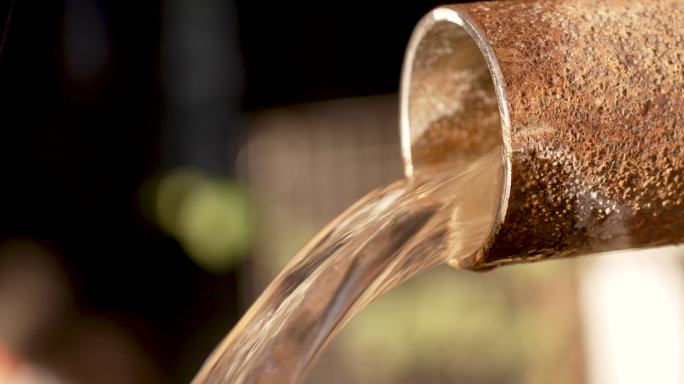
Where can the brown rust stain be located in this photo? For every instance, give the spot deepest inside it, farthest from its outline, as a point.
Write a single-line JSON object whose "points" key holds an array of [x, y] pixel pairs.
{"points": [[596, 100]]}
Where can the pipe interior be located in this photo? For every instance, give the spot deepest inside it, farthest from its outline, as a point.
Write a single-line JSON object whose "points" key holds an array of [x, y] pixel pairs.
{"points": [[451, 105]]}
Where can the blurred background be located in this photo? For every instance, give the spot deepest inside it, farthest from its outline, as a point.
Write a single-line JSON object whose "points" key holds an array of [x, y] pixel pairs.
{"points": [[161, 161]]}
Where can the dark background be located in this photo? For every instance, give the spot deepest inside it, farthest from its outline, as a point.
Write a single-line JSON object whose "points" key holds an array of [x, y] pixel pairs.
{"points": [[93, 105]]}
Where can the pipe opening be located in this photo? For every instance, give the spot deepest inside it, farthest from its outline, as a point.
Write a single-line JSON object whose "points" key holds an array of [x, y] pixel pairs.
{"points": [[453, 106], [450, 111]]}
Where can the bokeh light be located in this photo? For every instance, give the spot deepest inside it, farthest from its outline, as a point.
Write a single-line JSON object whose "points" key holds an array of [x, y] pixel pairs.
{"points": [[209, 216]]}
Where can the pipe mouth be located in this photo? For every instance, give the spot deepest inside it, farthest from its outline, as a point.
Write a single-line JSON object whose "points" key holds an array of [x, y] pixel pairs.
{"points": [[453, 105]]}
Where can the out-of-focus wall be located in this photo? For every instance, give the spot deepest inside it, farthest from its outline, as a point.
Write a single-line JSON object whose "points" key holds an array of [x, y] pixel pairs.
{"points": [[305, 164]]}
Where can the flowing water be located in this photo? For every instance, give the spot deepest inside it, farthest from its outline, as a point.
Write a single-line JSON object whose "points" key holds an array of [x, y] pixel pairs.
{"points": [[437, 216]]}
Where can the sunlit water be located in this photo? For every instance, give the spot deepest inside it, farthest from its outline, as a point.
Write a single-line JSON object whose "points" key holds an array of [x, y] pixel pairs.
{"points": [[384, 239]]}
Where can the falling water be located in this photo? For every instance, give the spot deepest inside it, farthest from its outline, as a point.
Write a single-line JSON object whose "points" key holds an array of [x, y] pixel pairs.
{"points": [[437, 216]]}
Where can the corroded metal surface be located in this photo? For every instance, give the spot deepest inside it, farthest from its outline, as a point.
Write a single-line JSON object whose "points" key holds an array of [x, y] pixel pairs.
{"points": [[591, 99]]}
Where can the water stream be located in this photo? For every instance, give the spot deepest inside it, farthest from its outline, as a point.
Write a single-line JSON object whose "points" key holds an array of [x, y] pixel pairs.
{"points": [[438, 216]]}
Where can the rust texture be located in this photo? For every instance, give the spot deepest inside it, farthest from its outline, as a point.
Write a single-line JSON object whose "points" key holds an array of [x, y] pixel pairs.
{"points": [[595, 91], [596, 99]]}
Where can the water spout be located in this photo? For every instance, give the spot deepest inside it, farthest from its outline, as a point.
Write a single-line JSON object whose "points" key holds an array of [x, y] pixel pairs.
{"points": [[579, 105]]}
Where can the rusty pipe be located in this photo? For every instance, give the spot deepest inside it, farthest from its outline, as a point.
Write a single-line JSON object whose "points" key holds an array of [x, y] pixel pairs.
{"points": [[586, 100]]}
